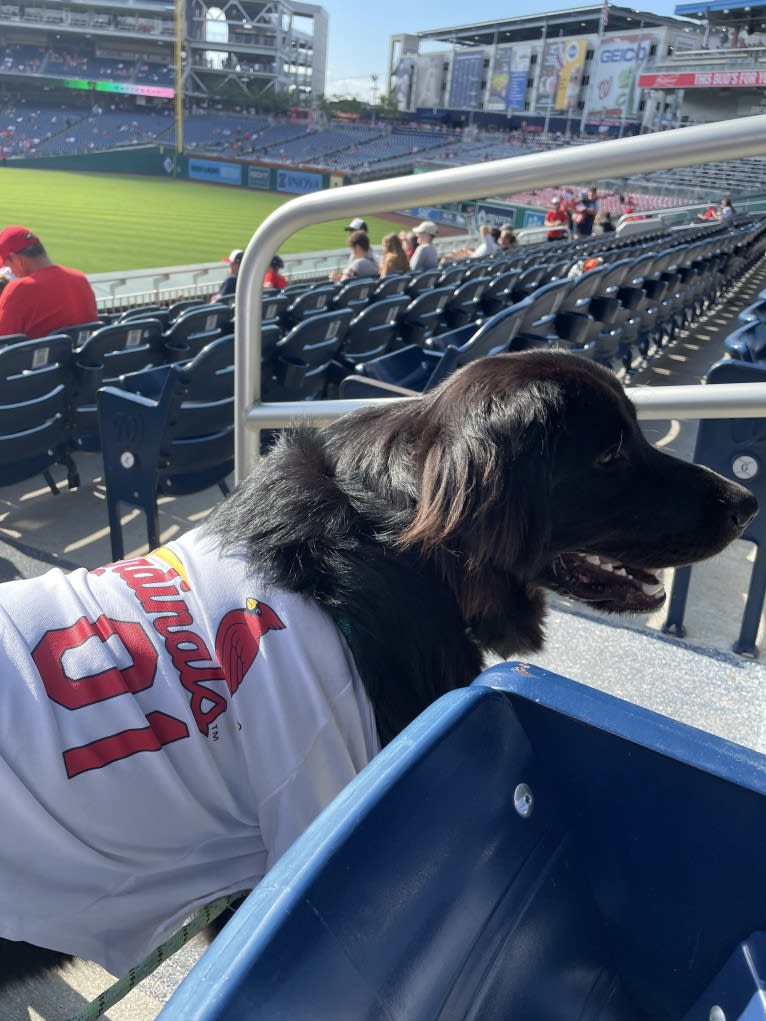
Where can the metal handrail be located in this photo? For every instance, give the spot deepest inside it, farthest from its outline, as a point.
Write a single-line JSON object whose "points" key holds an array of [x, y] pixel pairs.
{"points": [[617, 158]]}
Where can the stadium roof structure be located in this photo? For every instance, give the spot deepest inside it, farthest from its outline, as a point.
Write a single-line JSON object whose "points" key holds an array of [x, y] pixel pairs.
{"points": [[727, 12], [570, 21]]}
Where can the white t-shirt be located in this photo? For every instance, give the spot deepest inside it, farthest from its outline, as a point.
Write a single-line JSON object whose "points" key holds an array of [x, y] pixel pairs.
{"points": [[169, 726]]}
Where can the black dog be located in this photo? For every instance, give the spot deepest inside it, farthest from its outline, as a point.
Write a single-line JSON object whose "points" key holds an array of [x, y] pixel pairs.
{"points": [[429, 529]]}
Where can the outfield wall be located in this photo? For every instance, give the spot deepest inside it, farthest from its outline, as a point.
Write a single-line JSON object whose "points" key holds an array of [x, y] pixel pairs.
{"points": [[162, 161]]}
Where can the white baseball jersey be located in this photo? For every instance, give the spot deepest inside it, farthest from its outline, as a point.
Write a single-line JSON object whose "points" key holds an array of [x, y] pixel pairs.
{"points": [[168, 726]]}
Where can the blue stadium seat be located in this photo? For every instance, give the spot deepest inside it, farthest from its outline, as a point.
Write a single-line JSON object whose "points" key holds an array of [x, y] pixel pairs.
{"points": [[35, 428], [425, 280], [308, 301], [465, 304], [756, 310], [423, 316], [109, 352], [80, 332], [736, 448], [299, 367], [194, 329], [497, 293], [391, 285], [167, 431], [418, 369], [355, 294], [747, 343], [528, 848], [371, 332]]}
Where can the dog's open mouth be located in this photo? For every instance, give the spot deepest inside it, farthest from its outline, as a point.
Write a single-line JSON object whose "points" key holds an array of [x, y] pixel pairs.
{"points": [[608, 584]]}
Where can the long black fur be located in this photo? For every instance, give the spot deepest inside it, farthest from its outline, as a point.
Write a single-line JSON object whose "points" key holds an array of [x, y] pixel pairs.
{"points": [[431, 528]]}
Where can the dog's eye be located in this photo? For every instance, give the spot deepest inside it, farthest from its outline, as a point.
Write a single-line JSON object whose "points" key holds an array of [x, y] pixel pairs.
{"points": [[614, 455]]}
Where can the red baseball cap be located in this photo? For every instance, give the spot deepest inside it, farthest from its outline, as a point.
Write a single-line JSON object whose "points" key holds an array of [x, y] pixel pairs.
{"points": [[16, 239]]}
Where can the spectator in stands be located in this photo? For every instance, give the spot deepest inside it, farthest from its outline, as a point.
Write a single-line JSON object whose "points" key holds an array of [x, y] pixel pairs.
{"points": [[556, 220], [362, 263], [229, 284], [605, 222], [357, 224], [409, 242], [43, 297], [394, 257], [507, 237], [726, 212], [584, 215], [425, 255], [488, 244], [273, 278]]}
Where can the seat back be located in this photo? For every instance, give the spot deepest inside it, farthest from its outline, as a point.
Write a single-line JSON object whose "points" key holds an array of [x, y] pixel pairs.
{"points": [[393, 283], [464, 305], [195, 329], [80, 332], [167, 430], [355, 293], [423, 316], [108, 353], [302, 358], [309, 302], [423, 281], [373, 330], [35, 412], [520, 851]]}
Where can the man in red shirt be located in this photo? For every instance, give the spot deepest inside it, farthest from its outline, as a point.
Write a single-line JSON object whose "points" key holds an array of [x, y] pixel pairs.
{"points": [[556, 219], [43, 297], [273, 279]]}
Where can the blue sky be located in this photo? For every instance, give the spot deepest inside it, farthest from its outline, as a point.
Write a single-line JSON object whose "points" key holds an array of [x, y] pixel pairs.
{"points": [[359, 35]]}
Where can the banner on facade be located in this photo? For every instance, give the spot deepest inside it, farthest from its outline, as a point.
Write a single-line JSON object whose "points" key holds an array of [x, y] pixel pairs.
{"points": [[427, 83], [465, 87], [614, 80]]}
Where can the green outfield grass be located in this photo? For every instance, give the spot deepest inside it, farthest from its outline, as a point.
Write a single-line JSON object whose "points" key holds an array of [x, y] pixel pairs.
{"points": [[104, 222]]}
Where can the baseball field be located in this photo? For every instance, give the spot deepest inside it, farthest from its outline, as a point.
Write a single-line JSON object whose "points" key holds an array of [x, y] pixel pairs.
{"points": [[102, 223]]}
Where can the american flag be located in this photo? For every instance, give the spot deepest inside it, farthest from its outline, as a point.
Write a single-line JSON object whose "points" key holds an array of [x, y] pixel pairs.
{"points": [[605, 15]]}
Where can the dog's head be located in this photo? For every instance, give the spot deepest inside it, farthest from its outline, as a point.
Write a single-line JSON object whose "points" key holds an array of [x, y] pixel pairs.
{"points": [[533, 473]]}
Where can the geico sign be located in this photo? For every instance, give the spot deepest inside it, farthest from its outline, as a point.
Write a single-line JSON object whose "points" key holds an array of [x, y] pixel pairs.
{"points": [[628, 54]]}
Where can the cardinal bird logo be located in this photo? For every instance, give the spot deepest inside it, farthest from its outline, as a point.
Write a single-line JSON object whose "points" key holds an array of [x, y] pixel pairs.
{"points": [[239, 637]]}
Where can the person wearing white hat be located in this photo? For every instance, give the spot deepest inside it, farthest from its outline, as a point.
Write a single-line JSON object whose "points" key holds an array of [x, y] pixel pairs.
{"points": [[425, 255], [357, 224], [229, 284]]}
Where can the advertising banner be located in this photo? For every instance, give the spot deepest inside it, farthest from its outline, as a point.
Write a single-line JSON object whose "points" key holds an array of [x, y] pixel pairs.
{"points": [[614, 78], [259, 177], [403, 87], [427, 85], [570, 77], [550, 74], [500, 79], [703, 80], [465, 88], [494, 213], [218, 173], [521, 55], [298, 182]]}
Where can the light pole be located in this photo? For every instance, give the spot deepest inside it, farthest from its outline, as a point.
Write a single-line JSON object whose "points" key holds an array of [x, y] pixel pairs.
{"points": [[374, 91]]}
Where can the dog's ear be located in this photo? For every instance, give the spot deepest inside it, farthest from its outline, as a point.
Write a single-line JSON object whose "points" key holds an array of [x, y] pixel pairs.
{"points": [[485, 472]]}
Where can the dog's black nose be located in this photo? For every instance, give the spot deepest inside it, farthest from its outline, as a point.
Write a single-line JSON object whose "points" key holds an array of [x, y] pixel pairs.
{"points": [[745, 510]]}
